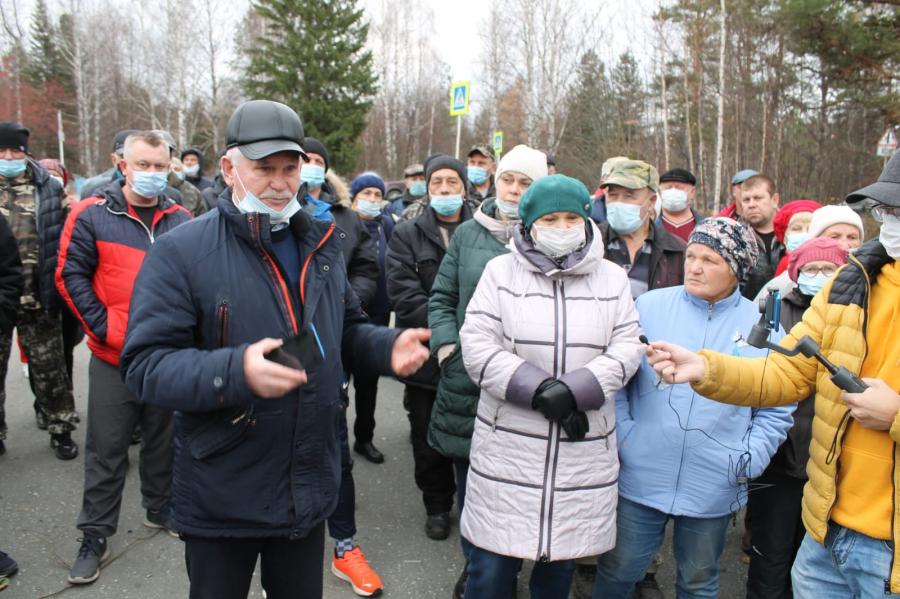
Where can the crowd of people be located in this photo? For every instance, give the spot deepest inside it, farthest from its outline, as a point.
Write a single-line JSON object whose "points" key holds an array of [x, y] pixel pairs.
{"points": [[576, 366]]}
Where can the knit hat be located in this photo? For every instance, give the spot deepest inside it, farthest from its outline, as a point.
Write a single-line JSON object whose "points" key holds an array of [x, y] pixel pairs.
{"points": [[680, 175], [14, 135], [524, 160], [55, 167], [826, 216], [442, 161], [363, 181], [633, 174], [741, 176], [731, 240], [554, 193], [314, 146], [196, 152], [818, 248], [785, 213]]}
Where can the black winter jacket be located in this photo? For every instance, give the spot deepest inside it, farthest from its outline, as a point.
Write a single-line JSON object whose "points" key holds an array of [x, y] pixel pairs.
{"points": [[415, 252], [244, 466], [211, 194], [11, 281], [764, 271], [50, 220]]}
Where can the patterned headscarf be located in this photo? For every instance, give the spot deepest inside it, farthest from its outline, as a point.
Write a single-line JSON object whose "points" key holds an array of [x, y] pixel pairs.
{"points": [[731, 240]]}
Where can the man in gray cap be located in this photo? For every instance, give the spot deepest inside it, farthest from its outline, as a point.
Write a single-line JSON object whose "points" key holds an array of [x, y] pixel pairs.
{"points": [[243, 322], [481, 163]]}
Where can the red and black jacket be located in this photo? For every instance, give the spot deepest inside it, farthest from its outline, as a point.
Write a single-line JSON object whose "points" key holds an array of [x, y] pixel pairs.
{"points": [[101, 250]]}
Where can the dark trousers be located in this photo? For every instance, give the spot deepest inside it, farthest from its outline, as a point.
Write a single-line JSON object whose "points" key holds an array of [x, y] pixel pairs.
{"points": [[776, 533], [433, 471], [342, 522], [113, 413], [222, 568], [41, 334], [366, 392], [461, 469], [493, 576]]}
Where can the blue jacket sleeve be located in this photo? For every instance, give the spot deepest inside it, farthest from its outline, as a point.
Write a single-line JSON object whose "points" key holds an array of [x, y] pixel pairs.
{"points": [[160, 363]]}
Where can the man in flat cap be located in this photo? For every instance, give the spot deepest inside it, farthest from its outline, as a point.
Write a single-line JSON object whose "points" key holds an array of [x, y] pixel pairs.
{"points": [[257, 460], [677, 192]]}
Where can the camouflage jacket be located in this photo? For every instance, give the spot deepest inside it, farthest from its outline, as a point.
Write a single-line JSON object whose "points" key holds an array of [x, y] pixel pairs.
{"points": [[33, 205]]}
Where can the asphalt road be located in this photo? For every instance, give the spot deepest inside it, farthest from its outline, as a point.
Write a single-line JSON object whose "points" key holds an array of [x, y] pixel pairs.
{"points": [[40, 497]]}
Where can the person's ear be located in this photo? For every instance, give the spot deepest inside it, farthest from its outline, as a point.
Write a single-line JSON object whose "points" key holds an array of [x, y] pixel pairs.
{"points": [[777, 199]]}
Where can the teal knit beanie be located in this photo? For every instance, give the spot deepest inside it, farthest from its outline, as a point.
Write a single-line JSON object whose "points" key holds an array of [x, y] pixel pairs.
{"points": [[556, 193]]}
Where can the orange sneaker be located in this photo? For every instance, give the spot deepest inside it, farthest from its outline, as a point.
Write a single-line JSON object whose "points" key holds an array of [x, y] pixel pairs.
{"points": [[354, 568]]}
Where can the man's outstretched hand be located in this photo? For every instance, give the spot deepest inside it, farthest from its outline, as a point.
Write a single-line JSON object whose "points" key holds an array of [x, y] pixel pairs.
{"points": [[409, 353]]}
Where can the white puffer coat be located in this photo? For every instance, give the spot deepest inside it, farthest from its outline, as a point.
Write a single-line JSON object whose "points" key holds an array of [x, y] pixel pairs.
{"points": [[532, 492]]}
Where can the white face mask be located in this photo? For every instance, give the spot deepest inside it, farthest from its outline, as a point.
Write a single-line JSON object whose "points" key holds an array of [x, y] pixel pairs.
{"points": [[557, 243], [674, 200], [890, 236]]}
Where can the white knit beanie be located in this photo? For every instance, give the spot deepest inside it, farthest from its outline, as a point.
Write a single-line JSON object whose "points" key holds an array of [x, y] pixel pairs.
{"points": [[524, 160], [826, 216]]}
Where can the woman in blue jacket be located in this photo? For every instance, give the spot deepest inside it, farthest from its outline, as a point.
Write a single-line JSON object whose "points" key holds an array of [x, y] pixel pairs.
{"points": [[683, 457]]}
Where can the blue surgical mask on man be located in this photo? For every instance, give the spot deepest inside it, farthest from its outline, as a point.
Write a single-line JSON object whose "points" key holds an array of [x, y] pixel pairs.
{"points": [[313, 175], [149, 184], [476, 174], [794, 240], [417, 189], [624, 218], [367, 208], [811, 284], [12, 168], [192, 171], [446, 205]]}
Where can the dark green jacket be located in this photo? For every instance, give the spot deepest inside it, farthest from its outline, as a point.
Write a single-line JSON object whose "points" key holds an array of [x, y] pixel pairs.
{"points": [[471, 248]]}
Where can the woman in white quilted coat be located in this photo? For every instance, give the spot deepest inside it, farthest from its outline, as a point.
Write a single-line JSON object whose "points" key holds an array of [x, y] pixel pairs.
{"points": [[550, 336]]}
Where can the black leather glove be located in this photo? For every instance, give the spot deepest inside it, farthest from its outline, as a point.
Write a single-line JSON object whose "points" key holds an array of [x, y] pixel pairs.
{"points": [[554, 400], [576, 425]]}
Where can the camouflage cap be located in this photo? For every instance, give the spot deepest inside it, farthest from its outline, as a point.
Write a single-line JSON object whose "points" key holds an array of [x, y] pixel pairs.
{"points": [[634, 174], [610, 164], [484, 150]]}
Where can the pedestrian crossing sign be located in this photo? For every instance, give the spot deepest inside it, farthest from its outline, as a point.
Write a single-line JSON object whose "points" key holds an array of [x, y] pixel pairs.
{"points": [[498, 142], [459, 98]]}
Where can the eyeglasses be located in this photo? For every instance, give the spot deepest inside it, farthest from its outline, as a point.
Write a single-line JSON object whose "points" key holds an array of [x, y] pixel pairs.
{"points": [[881, 211], [814, 270]]}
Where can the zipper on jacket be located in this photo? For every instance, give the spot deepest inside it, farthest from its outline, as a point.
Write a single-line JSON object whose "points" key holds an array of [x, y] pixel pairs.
{"points": [[222, 321], [285, 303], [546, 521], [137, 220]]}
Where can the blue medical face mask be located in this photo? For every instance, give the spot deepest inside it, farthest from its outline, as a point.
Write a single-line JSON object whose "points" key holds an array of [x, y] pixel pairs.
{"points": [[624, 218], [446, 205], [278, 219], [313, 175], [367, 208], [12, 168], [794, 240], [509, 210], [149, 184], [476, 174], [417, 189], [811, 284]]}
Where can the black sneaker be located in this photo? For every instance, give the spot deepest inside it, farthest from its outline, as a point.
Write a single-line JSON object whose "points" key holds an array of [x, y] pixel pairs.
{"points": [[66, 448], [159, 519], [93, 553], [437, 526], [2, 447], [8, 565]]}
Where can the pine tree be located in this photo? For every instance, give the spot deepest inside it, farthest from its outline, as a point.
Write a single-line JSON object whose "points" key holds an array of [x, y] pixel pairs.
{"points": [[312, 57], [45, 61]]}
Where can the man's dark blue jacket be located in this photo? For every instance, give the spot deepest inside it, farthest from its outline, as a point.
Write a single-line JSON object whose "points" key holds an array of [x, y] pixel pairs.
{"points": [[246, 466]]}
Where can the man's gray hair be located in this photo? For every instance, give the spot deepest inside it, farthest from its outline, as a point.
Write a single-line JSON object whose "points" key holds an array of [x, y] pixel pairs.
{"points": [[151, 138]]}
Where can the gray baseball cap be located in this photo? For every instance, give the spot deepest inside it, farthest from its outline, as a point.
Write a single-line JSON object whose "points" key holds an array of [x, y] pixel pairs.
{"points": [[260, 128]]}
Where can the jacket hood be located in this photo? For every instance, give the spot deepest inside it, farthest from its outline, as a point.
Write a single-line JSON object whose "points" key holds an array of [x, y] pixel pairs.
{"points": [[339, 191], [500, 230], [580, 262]]}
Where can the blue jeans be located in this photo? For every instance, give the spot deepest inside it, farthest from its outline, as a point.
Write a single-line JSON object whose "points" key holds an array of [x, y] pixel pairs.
{"points": [[492, 576], [698, 543], [850, 564]]}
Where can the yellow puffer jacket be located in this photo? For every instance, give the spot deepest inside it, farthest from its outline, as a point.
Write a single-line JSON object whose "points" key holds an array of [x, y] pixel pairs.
{"points": [[837, 321]]}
